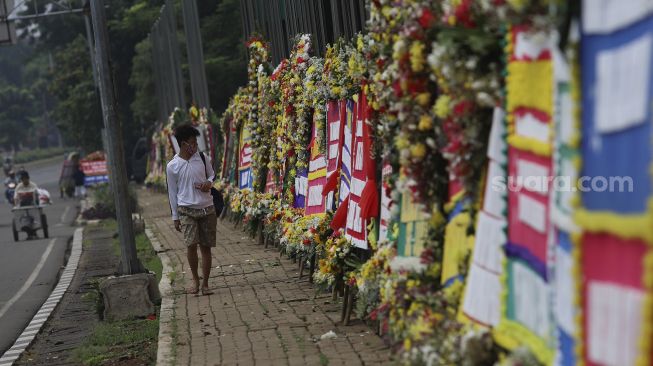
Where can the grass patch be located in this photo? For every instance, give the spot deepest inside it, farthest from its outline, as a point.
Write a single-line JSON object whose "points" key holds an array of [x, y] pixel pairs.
{"points": [[172, 276], [144, 250], [133, 340], [324, 360], [109, 225]]}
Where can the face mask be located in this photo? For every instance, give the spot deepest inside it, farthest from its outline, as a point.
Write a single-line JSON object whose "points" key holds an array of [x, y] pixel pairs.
{"points": [[190, 149]]}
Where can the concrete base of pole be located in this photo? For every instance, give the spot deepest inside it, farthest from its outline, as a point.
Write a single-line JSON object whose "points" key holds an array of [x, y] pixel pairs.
{"points": [[129, 297]]}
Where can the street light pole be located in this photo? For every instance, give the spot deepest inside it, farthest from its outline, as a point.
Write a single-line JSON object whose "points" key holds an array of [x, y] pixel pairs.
{"points": [[129, 263]]}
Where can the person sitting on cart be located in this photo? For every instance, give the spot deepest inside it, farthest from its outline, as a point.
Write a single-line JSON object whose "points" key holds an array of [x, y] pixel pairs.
{"points": [[26, 193]]}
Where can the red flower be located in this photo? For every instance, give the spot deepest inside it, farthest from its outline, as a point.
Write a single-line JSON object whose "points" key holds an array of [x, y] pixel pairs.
{"points": [[417, 86], [462, 108], [426, 19], [380, 63], [463, 14], [396, 86], [300, 60], [151, 317], [306, 242]]}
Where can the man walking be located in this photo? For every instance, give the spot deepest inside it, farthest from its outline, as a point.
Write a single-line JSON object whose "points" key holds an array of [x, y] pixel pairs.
{"points": [[189, 190]]}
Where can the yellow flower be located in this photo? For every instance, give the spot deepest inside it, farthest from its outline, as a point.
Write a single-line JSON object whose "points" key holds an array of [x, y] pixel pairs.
{"points": [[517, 4], [423, 99], [425, 123], [407, 344], [418, 329], [418, 150], [452, 20], [401, 142], [417, 56], [442, 109], [360, 44]]}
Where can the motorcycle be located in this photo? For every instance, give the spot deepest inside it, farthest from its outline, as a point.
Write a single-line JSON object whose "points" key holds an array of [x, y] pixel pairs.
{"points": [[10, 188]]}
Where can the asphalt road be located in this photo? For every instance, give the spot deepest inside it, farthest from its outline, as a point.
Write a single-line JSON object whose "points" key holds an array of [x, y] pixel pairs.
{"points": [[29, 270]]}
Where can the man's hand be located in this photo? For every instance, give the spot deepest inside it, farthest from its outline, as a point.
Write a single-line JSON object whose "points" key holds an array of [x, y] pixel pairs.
{"points": [[204, 186], [177, 225]]}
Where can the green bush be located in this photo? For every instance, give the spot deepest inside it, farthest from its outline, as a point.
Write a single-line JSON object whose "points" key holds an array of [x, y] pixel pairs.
{"points": [[27, 156], [104, 205]]}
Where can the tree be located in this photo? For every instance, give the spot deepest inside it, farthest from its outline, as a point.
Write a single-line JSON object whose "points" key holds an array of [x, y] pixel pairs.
{"points": [[144, 105], [224, 53], [15, 115], [78, 112]]}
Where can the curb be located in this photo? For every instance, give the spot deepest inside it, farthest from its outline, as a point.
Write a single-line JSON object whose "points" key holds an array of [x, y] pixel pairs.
{"points": [[42, 316], [164, 354]]}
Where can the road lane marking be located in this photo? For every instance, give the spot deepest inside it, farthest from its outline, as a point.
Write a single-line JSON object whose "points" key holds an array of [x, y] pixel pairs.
{"points": [[30, 279], [63, 215], [35, 325]]}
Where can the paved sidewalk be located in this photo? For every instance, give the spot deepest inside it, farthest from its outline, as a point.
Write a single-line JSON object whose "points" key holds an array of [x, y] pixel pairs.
{"points": [[260, 312]]}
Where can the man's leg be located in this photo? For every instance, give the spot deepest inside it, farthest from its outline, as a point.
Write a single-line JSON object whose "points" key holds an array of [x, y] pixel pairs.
{"points": [[206, 265], [192, 262]]}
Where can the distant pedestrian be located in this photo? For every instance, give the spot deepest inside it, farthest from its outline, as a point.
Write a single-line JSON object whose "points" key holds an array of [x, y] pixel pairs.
{"points": [[193, 213], [79, 177]]}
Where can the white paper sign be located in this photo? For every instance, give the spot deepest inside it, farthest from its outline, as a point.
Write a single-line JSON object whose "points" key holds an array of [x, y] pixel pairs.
{"points": [[490, 238], [357, 186], [333, 151], [334, 131], [317, 164], [497, 144], [494, 202], [359, 156], [344, 191], [622, 85], [528, 125], [531, 300], [348, 137], [531, 45], [315, 195], [607, 16], [532, 213], [532, 176], [564, 291], [614, 323], [482, 300]]}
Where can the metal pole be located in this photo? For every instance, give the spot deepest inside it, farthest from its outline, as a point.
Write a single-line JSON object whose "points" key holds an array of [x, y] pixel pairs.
{"points": [[89, 39], [129, 263], [199, 89]]}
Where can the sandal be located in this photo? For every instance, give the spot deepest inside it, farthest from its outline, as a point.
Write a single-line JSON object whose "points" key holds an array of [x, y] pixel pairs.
{"points": [[192, 290], [206, 291]]}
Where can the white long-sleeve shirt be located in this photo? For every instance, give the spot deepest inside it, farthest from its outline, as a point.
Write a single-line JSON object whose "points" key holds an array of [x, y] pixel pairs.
{"points": [[182, 175]]}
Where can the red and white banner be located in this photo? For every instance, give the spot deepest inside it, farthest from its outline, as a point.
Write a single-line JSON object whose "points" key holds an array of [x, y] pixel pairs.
{"points": [[334, 131], [363, 197], [317, 176], [94, 167]]}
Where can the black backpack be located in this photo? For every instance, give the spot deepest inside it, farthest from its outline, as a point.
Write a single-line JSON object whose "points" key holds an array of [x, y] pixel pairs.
{"points": [[218, 200]]}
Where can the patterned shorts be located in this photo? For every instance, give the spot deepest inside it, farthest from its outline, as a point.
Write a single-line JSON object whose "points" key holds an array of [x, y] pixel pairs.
{"points": [[198, 225]]}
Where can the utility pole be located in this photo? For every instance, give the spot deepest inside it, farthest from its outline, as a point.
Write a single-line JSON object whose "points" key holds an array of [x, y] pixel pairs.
{"points": [[129, 263]]}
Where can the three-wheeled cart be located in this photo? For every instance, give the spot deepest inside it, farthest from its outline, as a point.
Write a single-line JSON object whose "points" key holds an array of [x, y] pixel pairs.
{"points": [[29, 219]]}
